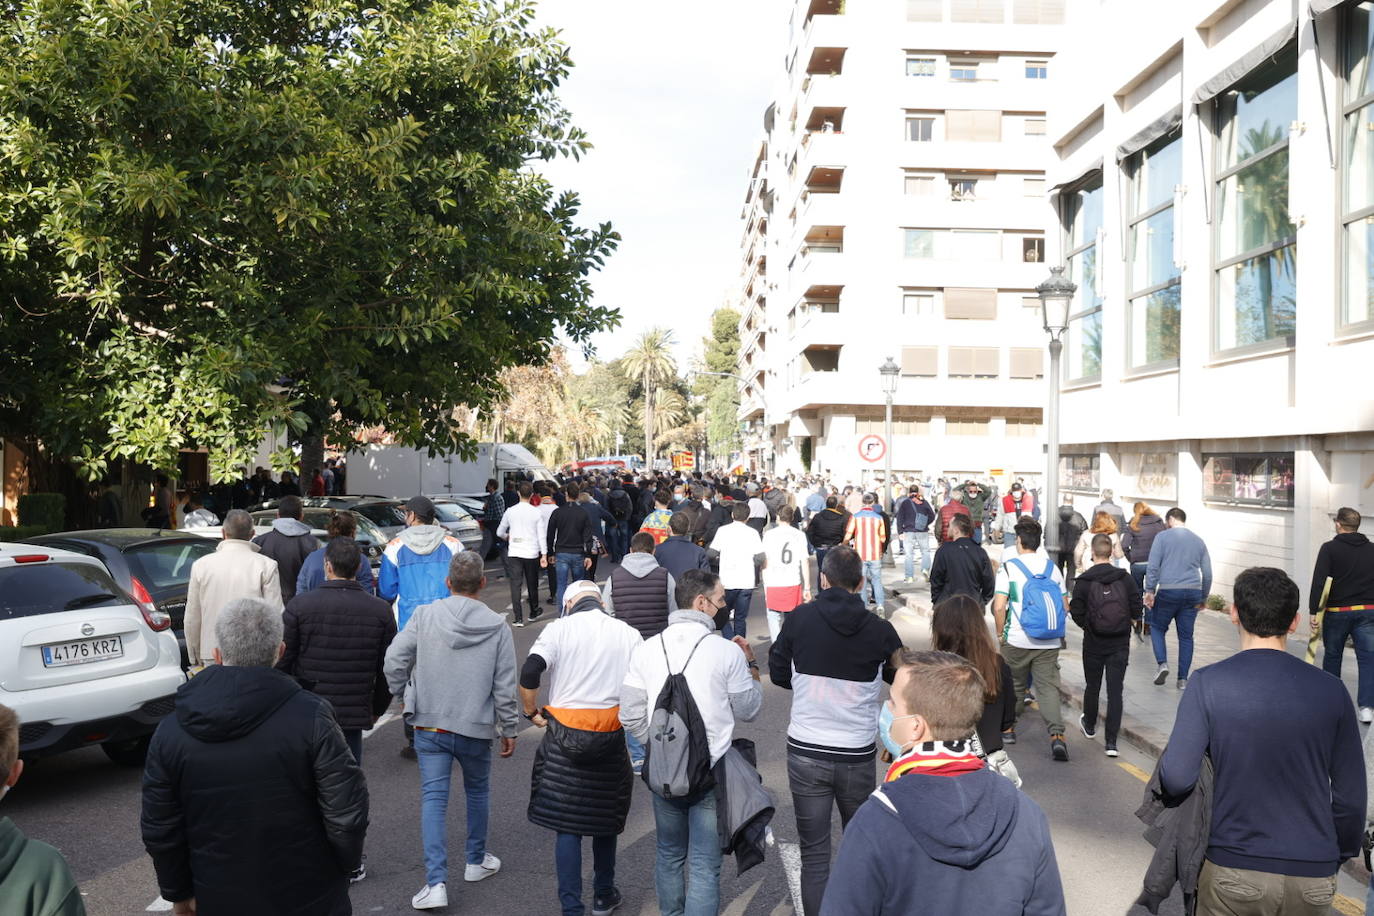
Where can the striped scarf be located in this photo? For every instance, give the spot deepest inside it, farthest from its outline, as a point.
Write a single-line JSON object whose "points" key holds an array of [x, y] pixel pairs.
{"points": [[936, 758]]}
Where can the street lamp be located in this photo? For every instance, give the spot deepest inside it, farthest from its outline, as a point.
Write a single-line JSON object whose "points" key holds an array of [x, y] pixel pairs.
{"points": [[889, 372], [1056, 295]]}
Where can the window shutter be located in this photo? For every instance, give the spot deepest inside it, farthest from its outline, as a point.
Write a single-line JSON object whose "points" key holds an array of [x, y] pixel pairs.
{"points": [[959, 124], [921, 361], [1027, 363], [960, 361], [987, 362], [970, 303], [923, 10], [986, 11], [1038, 12], [987, 126]]}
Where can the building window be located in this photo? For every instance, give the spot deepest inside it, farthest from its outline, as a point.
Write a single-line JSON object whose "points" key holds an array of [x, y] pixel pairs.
{"points": [[920, 243], [920, 362], [963, 189], [1037, 70], [974, 362], [1027, 429], [966, 71], [1083, 226], [1035, 127], [1037, 12], [1033, 250], [919, 185], [971, 427], [1256, 247], [1027, 362], [1031, 302], [1033, 187], [973, 126], [920, 66], [921, 130], [1153, 276], [1251, 479], [918, 304], [1080, 472], [970, 303], [983, 11], [1357, 211], [924, 10]]}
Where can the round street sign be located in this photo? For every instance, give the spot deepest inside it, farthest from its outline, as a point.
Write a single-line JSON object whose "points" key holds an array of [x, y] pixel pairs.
{"points": [[872, 448]]}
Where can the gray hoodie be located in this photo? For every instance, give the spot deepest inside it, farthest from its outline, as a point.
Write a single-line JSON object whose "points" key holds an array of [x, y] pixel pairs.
{"points": [[639, 565], [454, 667]]}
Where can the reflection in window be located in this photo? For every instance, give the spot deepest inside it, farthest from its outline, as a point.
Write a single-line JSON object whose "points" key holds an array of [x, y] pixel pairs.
{"points": [[1357, 218], [1155, 292], [1083, 223], [1254, 479]]}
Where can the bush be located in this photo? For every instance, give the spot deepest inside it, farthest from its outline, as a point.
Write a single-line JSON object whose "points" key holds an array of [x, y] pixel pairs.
{"points": [[10, 533], [1216, 603], [47, 511]]}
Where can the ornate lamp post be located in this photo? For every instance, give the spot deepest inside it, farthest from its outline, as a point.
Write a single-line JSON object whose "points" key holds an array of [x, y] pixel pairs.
{"points": [[889, 371], [1056, 296]]}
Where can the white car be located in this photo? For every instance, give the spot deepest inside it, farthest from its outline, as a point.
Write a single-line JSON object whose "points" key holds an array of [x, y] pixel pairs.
{"points": [[81, 662]]}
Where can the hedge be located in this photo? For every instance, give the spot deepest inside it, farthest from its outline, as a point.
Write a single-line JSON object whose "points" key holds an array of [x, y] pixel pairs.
{"points": [[20, 532], [47, 511]]}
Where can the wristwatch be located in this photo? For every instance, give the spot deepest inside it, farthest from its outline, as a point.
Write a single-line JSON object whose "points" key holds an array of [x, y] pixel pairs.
{"points": [[529, 716], [753, 664]]}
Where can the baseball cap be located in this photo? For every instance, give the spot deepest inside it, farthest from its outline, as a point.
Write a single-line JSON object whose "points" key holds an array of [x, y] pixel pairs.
{"points": [[739, 496], [576, 590], [423, 507], [1017, 488]]}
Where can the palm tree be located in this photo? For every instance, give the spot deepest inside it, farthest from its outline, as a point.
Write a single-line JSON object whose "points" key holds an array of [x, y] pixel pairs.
{"points": [[651, 362]]}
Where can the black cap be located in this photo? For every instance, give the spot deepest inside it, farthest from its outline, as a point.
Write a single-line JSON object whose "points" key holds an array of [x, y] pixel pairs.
{"points": [[423, 507]]}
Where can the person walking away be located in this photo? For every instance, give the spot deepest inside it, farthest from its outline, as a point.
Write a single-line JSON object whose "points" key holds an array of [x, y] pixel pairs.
{"points": [[952, 507], [720, 516], [786, 582], [1342, 603], [582, 781], [656, 522], [33, 875], [1083, 551], [1177, 583], [1285, 813], [826, 530], [1106, 605], [621, 507], [311, 576], [867, 533], [565, 539], [640, 592], [815, 503], [957, 625], [454, 668], [109, 509], [597, 520], [1111, 508], [693, 508], [317, 487], [961, 567], [774, 498], [252, 802], [722, 680], [758, 509], [522, 528], [914, 517], [834, 656], [1016, 503], [853, 500], [1071, 527], [288, 543], [739, 551], [234, 570], [679, 553], [943, 834], [1138, 537], [196, 515], [546, 504], [330, 482], [493, 509], [1030, 624]]}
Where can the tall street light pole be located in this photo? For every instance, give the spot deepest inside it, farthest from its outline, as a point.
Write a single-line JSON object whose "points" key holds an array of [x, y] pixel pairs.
{"points": [[1056, 295], [889, 372]]}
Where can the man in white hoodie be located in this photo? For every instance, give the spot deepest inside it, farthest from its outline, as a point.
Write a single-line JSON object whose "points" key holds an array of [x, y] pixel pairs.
{"points": [[455, 667]]}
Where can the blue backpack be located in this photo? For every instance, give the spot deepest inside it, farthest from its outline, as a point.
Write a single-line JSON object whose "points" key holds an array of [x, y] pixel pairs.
{"points": [[1042, 604]]}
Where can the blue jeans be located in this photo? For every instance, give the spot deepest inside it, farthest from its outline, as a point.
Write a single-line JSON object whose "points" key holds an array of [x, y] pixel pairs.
{"points": [[1175, 605], [873, 577], [914, 541], [1357, 625], [436, 752], [569, 570], [635, 747], [977, 532], [618, 539], [567, 858], [820, 562], [687, 837], [1008, 540], [737, 601]]}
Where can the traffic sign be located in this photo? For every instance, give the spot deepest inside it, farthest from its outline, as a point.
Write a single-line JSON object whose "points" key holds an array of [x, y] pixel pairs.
{"points": [[872, 448]]}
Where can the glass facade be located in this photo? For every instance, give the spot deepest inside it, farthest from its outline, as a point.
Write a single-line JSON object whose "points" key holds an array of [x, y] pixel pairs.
{"points": [[1154, 298], [1357, 209], [1083, 226]]}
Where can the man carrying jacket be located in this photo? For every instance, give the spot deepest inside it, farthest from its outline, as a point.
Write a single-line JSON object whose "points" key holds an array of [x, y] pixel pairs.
{"points": [[914, 517], [1343, 588], [289, 543], [961, 567], [1106, 605], [252, 802]]}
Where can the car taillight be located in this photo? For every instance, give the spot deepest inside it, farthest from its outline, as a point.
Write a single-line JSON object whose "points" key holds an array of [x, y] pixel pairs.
{"points": [[156, 620], [31, 558]]}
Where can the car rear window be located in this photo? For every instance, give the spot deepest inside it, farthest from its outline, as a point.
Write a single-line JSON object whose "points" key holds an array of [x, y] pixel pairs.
{"points": [[167, 565], [50, 588], [384, 515], [450, 512]]}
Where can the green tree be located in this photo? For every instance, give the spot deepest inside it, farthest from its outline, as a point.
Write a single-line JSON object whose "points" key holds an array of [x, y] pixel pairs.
{"points": [[651, 363], [721, 354], [218, 216]]}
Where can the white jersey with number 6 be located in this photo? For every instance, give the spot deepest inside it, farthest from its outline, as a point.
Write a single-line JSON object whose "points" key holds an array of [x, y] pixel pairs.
{"points": [[785, 548]]}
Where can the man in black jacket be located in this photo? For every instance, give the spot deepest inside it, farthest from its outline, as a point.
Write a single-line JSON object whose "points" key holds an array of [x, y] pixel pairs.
{"points": [[1342, 603], [569, 530], [1106, 604], [289, 543], [678, 553], [961, 567], [252, 802], [827, 528]]}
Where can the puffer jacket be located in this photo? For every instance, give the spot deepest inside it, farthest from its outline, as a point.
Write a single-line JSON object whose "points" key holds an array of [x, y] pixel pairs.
{"points": [[827, 528], [252, 802], [641, 593], [582, 782], [289, 543], [336, 638], [1137, 544]]}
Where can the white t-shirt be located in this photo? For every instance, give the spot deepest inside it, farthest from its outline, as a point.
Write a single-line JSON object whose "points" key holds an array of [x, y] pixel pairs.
{"points": [[785, 549], [717, 670], [1011, 582], [588, 654], [757, 508], [738, 545], [524, 525]]}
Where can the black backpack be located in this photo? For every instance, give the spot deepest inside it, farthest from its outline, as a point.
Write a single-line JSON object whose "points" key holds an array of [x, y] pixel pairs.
{"points": [[1109, 607], [677, 755], [620, 505]]}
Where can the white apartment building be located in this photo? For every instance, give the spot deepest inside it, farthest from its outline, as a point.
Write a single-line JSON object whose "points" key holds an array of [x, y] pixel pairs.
{"points": [[1214, 191], [897, 207]]}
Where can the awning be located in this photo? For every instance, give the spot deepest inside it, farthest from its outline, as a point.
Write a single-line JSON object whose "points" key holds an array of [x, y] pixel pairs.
{"points": [[1321, 6], [1150, 133], [1078, 179], [1250, 61]]}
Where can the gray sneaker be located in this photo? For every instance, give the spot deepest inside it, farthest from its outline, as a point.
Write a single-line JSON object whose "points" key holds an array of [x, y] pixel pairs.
{"points": [[1182, 683], [1162, 675]]}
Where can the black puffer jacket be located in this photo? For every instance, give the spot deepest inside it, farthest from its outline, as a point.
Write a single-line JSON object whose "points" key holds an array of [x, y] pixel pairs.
{"points": [[289, 543], [252, 803], [827, 528], [336, 638], [582, 781], [1137, 544]]}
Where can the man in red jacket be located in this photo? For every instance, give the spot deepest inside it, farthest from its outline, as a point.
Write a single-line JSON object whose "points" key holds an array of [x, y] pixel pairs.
{"points": [[954, 507]]}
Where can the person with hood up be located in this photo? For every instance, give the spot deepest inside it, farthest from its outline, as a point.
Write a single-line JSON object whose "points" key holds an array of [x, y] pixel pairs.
{"points": [[834, 656], [1342, 603], [1138, 537], [454, 667], [289, 543], [961, 567], [1072, 524], [252, 802], [944, 834]]}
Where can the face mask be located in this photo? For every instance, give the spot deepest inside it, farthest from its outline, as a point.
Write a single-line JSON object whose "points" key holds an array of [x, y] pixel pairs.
{"points": [[885, 720]]}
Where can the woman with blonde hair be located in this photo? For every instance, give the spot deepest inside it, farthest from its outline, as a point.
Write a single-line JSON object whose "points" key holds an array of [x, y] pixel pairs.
{"points": [[1103, 523], [1137, 539]]}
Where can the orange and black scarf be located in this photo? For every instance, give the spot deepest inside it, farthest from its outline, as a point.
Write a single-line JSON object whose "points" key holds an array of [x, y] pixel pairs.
{"points": [[936, 758]]}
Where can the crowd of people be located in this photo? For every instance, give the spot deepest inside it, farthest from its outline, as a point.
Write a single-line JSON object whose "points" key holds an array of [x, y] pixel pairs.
{"points": [[646, 676]]}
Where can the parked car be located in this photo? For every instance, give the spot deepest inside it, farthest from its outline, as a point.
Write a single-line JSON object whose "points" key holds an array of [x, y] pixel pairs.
{"points": [[454, 516], [369, 536], [151, 565], [81, 661]]}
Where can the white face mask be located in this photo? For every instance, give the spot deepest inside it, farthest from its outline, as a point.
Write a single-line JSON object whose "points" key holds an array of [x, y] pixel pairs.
{"points": [[4, 790]]}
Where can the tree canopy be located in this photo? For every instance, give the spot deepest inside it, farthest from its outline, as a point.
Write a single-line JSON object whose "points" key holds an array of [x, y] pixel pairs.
{"points": [[218, 216]]}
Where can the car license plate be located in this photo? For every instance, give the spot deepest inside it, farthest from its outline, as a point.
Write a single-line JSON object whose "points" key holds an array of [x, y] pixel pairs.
{"points": [[83, 651]]}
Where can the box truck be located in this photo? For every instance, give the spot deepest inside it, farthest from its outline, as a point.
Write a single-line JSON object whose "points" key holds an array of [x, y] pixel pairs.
{"points": [[400, 472]]}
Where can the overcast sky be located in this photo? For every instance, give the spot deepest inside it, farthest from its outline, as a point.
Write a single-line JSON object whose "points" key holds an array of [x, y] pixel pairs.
{"points": [[672, 96]]}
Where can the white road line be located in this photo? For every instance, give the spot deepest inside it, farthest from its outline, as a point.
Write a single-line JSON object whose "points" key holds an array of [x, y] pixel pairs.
{"points": [[790, 853], [386, 717], [741, 903], [159, 906]]}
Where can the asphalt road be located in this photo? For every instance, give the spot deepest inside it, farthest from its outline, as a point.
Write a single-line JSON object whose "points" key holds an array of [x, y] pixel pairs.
{"points": [[88, 808]]}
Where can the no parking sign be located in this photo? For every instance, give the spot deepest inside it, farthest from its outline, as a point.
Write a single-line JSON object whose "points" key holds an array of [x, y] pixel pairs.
{"points": [[872, 448]]}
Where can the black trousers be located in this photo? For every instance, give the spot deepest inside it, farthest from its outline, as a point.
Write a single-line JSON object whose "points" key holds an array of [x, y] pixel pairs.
{"points": [[523, 570], [818, 787], [1110, 659]]}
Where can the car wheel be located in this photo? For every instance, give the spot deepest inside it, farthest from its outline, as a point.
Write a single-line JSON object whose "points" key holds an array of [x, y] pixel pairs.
{"points": [[129, 753]]}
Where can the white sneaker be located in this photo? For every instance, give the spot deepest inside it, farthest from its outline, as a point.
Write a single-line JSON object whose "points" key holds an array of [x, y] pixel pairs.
{"points": [[431, 897], [489, 866], [1366, 715]]}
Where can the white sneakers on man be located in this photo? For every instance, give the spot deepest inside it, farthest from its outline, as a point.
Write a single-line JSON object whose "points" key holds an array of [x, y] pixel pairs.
{"points": [[1366, 715], [489, 866], [431, 897]]}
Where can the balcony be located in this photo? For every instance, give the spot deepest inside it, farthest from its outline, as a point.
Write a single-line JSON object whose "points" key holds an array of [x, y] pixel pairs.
{"points": [[822, 240], [824, 179], [825, 119], [826, 62]]}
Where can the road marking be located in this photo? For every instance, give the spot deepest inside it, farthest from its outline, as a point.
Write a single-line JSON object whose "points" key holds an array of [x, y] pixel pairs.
{"points": [[1346, 906], [387, 717], [790, 853], [1134, 770], [159, 906]]}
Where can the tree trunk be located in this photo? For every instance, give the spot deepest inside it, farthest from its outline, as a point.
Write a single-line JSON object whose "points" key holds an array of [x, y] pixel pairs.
{"points": [[649, 450]]}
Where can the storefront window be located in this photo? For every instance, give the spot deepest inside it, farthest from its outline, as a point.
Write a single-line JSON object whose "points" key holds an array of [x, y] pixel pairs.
{"points": [[1080, 472], [1251, 479]]}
